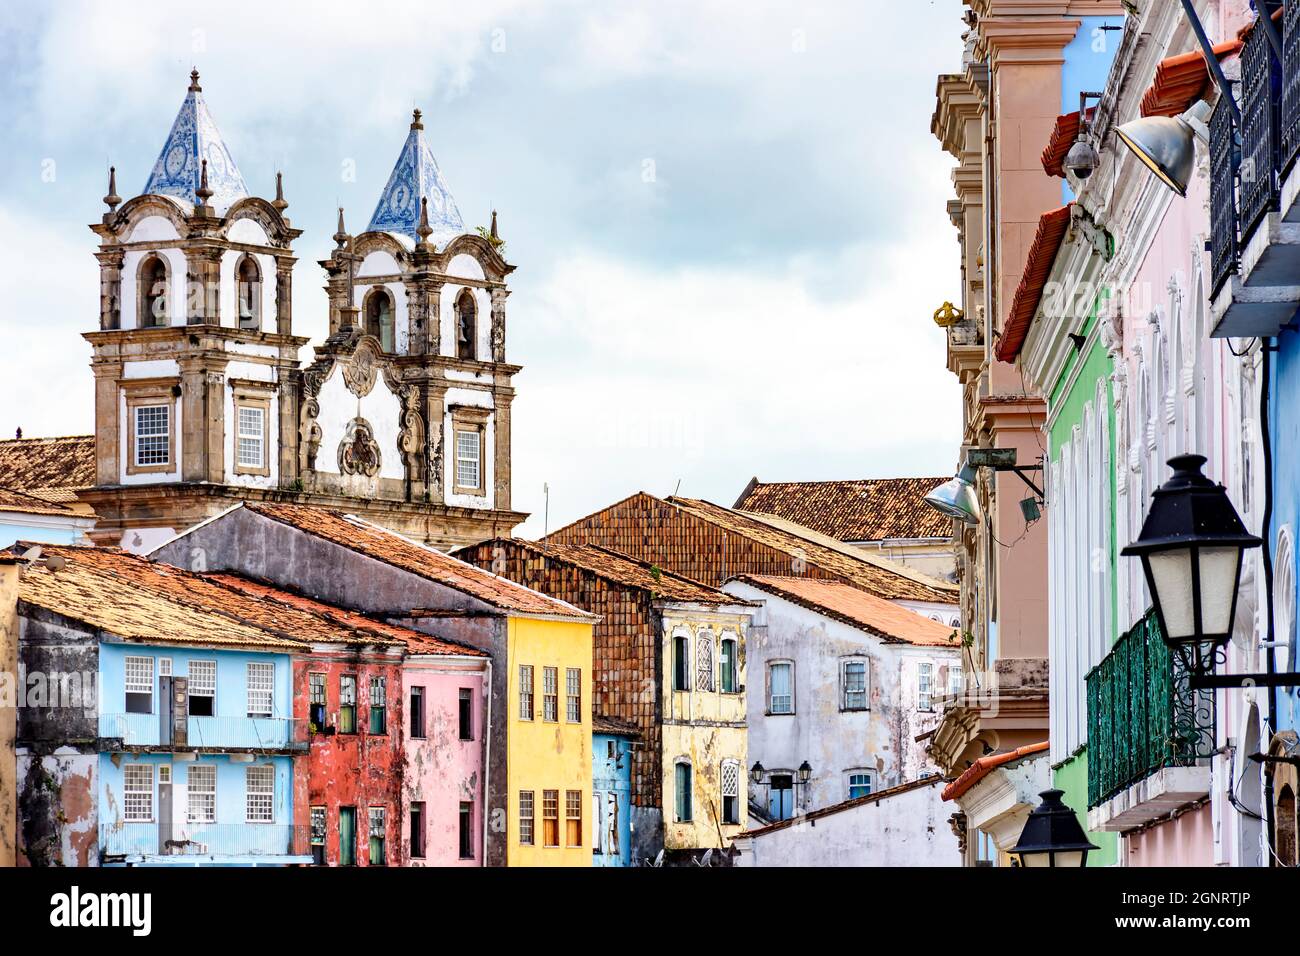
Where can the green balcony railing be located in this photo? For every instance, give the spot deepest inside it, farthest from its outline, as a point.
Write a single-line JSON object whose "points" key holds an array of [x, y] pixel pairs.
{"points": [[1142, 716]]}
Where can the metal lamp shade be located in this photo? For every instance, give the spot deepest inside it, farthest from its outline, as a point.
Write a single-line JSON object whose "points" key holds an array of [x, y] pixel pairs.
{"points": [[1191, 546], [1166, 145], [1052, 835], [956, 498]]}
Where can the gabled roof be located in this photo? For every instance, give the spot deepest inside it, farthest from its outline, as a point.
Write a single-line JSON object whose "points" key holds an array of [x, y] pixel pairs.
{"points": [[1038, 266], [17, 501], [87, 588], [49, 468], [193, 138], [350, 532], [856, 510], [857, 608], [986, 765], [1181, 80], [616, 568], [710, 543], [416, 176], [600, 724]]}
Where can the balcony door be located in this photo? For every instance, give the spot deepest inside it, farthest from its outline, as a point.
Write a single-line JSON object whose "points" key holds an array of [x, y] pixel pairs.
{"points": [[347, 836], [780, 797]]}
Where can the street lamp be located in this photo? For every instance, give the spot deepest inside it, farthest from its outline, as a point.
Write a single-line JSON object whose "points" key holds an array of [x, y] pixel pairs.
{"points": [[756, 772], [1191, 547], [1052, 835], [805, 773], [956, 498], [1167, 144]]}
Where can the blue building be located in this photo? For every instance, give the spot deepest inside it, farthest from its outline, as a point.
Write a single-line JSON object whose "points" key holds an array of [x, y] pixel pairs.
{"points": [[611, 786], [177, 741], [25, 517]]}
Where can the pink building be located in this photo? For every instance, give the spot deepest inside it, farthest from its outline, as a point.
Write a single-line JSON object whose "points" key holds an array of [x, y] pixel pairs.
{"points": [[443, 783]]}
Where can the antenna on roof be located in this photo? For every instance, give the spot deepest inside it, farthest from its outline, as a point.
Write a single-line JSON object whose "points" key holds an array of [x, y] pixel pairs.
{"points": [[546, 511], [677, 487]]}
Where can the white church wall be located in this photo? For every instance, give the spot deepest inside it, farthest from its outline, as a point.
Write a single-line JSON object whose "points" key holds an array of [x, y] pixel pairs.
{"points": [[464, 266], [152, 229], [254, 372], [474, 399], [381, 409]]}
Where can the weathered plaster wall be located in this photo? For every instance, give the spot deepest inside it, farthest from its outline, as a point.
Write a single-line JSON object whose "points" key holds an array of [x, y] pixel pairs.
{"points": [[8, 712], [611, 783], [56, 808], [904, 829], [440, 769]]}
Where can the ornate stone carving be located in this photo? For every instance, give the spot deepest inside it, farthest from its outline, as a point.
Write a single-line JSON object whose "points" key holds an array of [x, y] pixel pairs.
{"points": [[360, 371], [309, 432], [359, 452]]}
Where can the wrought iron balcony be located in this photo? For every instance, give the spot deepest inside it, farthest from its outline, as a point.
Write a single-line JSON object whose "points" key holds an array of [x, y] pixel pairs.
{"points": [[200, 842], [1142, 716], [206, 733]]}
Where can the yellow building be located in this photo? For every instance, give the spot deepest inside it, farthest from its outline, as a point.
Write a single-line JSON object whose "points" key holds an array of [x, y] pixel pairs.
{"points": [[704, 778], [548, 742]]}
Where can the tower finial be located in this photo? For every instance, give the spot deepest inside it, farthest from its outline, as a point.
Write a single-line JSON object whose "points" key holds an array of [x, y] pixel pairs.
{"points": [[112, 199], [341, 237], [280, 203], [194, 81], [203, 192], [493, 232], [424, 230], [415, 119]]}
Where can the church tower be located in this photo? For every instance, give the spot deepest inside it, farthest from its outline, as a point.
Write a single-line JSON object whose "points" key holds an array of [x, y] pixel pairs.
{"points": [[403, 417]]}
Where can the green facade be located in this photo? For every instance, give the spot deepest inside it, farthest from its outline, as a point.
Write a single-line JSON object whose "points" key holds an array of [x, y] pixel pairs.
{"points": [[1066, 401]]}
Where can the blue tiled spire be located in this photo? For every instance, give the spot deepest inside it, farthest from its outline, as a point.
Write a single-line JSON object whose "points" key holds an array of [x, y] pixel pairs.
{"points": [[417, 176], [194, 138]]}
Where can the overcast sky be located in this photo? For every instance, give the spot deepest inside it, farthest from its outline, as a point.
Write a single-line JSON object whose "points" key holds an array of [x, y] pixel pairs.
{"points": [[727, 218]]}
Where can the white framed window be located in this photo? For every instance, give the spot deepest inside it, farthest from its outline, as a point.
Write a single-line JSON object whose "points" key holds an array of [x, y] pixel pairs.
{"points": [[202, 794], [164, 774], [259, 792], [780, 679], [954, 678], [550, 694], [861, 783], [164, 667], [573, 694], [261, 689], [525, 691], [853, 684], [731, 791], [203, 688], [469, 453], [704, 661], [526, 837], [139, 685], [153, 434], [251, 450], [137, 793], [925, 686]]}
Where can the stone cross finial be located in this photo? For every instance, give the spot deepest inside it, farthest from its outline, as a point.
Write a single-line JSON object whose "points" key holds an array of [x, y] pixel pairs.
{"points": [[415, 119], [341, 237], [280, 203], [424, 230], [112, 199], [194, 81], [493, 231], [203, 192]]}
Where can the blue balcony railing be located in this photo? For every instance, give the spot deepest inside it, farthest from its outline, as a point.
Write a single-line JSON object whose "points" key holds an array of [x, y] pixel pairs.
{"points": [[204, 840], [234, 733]]}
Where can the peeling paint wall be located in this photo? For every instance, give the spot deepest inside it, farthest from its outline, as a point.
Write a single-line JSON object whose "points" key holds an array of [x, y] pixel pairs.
{"points": [[8, 713], [56, 808], [836, 742], [611, 784], [442, 770], [360, 770]]}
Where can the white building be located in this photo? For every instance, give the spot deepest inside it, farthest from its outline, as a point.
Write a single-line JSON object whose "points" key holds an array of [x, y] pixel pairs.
{"points": [[905, 825], [843, 681]]}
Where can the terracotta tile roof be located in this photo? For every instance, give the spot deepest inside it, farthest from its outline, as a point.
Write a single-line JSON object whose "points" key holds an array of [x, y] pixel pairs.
{"points": [[709, 543], [857, 510], [985, 765], [880, 576], [1181, 80], [91, 592], [11, 500], [618, 569], [381, 544], [846, 805], [600, 724], [857, 608], [49, 468], [1038, 266], [337, 624], [1063, 137]]}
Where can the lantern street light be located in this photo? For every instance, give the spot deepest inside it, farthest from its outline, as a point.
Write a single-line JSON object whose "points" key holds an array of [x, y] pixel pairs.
{"points": [[756, 772], [1191, 550], [1052, 835], [805, 773]]}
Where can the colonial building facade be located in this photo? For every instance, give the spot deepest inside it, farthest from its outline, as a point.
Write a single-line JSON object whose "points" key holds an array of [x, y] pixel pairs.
{"points": [[403, 415]]}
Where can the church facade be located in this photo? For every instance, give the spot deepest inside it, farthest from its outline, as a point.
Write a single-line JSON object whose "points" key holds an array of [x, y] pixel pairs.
{"points": [[403, 415]]}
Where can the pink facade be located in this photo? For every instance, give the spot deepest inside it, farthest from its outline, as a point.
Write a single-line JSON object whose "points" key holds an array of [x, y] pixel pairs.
{"points": [[443, 779], [1187, 840]]}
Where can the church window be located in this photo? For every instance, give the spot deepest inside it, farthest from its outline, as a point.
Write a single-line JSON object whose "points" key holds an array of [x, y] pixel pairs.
{"points": [[252, 424], [466, 327], [252, 410], [469, 426], [248, 280], [379, 317], [153, 292], [152, 434]]}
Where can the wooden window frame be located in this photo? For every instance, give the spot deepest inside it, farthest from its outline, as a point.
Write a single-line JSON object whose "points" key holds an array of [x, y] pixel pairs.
{"points": [[794, 701], [469, 420], [845, 664], [148, 393]]}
